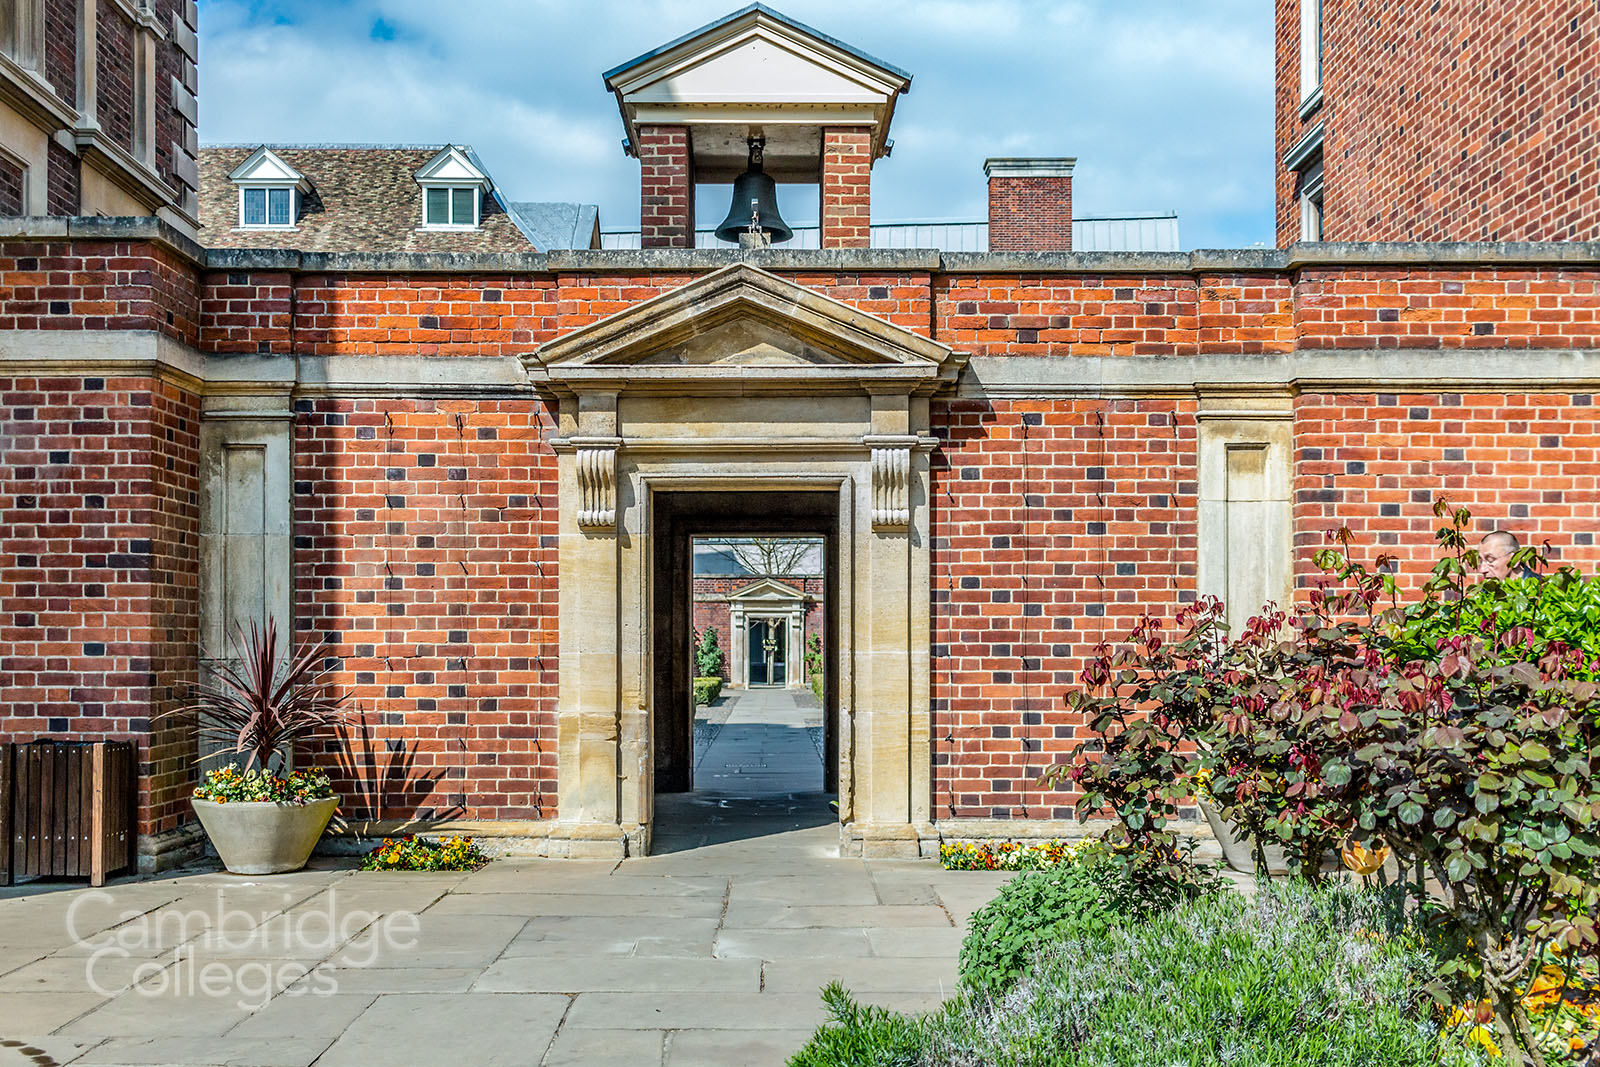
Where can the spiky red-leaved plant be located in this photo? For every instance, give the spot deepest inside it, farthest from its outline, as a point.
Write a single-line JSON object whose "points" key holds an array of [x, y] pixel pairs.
{"points": [[260, 705]]}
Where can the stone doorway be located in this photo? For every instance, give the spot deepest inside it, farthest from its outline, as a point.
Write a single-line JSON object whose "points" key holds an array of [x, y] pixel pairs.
{"points": [[740, 402]]}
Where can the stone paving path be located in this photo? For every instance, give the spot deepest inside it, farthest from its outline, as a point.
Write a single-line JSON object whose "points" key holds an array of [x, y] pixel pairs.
{"points": [[759, 741], [708, 952]]}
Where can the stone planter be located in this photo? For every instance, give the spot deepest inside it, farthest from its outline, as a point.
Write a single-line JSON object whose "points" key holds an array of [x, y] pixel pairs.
{"points": [[1238, 849], [264, 837]]}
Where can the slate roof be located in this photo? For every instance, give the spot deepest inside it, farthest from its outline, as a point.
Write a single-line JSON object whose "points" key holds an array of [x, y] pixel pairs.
{"points": [[552, 226], [364, 198]]}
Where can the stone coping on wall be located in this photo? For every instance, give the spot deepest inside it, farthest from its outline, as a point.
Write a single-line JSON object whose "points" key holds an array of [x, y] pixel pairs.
{"points": [[1305, 255]]}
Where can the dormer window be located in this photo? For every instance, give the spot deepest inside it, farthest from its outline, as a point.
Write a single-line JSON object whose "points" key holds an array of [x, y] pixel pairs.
{"points": [[450, 207], [453, 188], [269, 191], [266, 207]]}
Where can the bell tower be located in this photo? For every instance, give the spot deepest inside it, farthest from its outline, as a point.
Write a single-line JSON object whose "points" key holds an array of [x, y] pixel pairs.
{"points": [[753, 100]]}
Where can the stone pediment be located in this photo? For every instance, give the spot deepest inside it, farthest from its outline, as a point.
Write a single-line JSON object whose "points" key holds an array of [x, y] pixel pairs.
{"points": [[742, 329], [766, 591], [758, 67]]}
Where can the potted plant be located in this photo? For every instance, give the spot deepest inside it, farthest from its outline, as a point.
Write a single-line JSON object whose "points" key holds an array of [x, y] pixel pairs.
{"points": [[1239, 848], [260, 819]]}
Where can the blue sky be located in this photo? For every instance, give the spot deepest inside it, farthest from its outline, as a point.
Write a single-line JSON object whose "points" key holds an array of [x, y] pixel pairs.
{"points": [[1166, 103]]}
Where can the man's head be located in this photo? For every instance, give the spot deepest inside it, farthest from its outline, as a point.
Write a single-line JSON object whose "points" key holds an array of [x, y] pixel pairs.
{"points": [[1495, 552]]}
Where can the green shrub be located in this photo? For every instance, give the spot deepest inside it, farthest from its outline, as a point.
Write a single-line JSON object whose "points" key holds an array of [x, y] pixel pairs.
{"points": [[708, 654], [1032, 911], [706, 690], [861, 1036], [819, 688], [1300, 977]]}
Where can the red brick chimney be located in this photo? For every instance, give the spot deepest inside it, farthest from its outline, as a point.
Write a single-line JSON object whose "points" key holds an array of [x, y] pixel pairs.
{"points": [[1030, 204]]}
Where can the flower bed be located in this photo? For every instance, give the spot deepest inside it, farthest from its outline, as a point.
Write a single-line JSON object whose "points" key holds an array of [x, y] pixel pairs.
{"points": [[1010, 855], [229, 785], [420, 854]]}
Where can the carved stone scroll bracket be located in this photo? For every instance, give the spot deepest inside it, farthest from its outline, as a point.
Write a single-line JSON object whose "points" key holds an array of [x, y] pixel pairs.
{"points": [[891, 481], [596, 459]]}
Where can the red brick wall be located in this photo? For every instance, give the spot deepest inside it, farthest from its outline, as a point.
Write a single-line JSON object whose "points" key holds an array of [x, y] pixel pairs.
{"points": [[114, 48], [1030, 214], [11, 190], [97, 285], [1473, 120], [63, 188], [98, 570], [1054, 524], [61, 49], [425, 551], [1525, 462], [846, 187], [666, 187], [1506, 309], [1115, 315]]}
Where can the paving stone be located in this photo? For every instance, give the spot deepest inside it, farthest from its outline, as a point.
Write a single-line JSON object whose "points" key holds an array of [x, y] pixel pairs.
{"points": [[312, 1013], [108, 975], [439, 941], [702, 1048], [611, 935], [43, 1013], [844, 887], [792, 944], [19, 1050], [606, 1048], [429, 1029], [171, 1014], [912, 941], [284, 1050], [535, 975], [531, 904], [392, 979], [772, 916], [915, 975], [692, 1011]]}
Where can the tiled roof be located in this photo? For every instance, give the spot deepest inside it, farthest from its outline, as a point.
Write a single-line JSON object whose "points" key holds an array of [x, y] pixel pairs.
{"points": [[363, 198]]}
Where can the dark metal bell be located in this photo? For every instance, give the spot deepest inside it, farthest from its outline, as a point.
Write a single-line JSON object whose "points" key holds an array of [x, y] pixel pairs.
{"points": [[754, 192]]}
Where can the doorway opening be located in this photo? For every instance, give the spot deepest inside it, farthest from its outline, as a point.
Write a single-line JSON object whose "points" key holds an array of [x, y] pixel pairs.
{"points": [[745, 586]]}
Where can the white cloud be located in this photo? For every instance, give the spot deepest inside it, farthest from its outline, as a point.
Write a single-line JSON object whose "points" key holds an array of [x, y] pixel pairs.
{"points": [[1166, 104]]}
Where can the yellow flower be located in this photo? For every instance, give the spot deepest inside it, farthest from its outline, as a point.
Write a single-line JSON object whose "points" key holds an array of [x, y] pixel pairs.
{"points": [[1483, 1036]]}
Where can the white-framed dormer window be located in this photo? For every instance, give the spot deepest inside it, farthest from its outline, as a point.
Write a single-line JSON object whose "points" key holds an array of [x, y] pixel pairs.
{"points": [[1310, 49], [270, 191], [453, 187], [266, 207], [450, 207]]}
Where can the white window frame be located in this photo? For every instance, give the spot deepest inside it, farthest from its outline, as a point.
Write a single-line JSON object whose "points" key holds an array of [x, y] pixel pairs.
{"points": [[270, 188], [1310, 50], [1311, 204], [454, 189]]}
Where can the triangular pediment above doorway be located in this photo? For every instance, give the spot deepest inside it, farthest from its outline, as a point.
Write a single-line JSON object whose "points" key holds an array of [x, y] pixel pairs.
{"points": [[766, 591], [746, 326]]}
